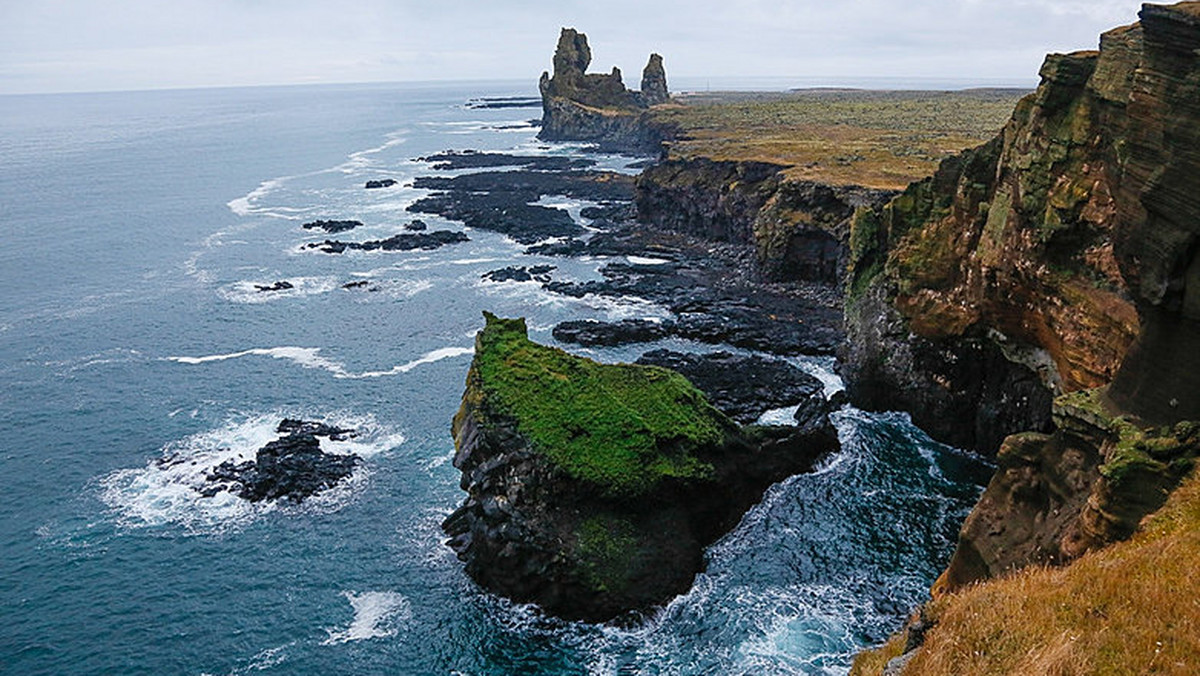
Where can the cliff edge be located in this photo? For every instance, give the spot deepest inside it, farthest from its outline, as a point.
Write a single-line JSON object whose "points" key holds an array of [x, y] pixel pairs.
{"points": [[1047, 286]]}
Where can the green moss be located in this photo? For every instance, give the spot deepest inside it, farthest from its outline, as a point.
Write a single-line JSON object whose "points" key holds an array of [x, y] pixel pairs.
{"points": [[606, 546], [866, 254], [1139, 453], [622, 428]]}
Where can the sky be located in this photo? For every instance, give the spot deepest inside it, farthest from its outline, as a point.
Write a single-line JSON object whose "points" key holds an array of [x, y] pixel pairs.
{"points": [[98, 45]]}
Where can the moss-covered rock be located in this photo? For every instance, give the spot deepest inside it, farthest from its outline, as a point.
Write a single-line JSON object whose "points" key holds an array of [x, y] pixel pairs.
{"points": [[623, 429], [593, 488], [1057, 496]]}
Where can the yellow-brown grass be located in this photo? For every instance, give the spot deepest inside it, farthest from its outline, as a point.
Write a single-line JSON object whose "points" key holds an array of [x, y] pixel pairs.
{"points": [[1132, 608], [876, 139]]}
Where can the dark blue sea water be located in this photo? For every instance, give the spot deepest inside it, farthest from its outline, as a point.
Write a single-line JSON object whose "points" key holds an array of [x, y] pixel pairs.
{"points": [[136, 354]]}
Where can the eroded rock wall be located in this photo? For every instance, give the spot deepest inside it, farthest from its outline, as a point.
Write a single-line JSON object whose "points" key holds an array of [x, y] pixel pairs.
{"points": [[596, 107], [798, 228]]}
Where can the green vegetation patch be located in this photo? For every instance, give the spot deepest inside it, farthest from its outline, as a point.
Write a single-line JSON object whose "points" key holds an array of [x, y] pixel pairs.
{"points": [[620, 427], [606, 545]]}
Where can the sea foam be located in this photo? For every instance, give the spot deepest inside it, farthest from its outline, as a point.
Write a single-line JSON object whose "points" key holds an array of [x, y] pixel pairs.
{"points": [[310, 357], [167, 489], [376, 614]]}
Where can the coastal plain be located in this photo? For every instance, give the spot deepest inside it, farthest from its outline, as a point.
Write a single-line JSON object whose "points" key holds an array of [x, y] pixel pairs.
{"points": [[871, 138]]}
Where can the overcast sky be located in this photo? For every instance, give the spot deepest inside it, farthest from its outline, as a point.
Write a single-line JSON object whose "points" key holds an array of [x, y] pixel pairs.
{"points": [[86, 45]]}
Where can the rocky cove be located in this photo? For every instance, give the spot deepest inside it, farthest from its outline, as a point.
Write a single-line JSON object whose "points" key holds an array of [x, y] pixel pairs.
{"points": [[1028, 297]]}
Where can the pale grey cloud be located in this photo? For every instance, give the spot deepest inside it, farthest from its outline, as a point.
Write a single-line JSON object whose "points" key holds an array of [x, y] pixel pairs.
{"points": [[72, 45]]}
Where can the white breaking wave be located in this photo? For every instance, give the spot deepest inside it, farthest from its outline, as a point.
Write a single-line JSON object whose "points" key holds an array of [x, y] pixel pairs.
{"points": [[167, 489], [376, 614], [246, 205], [310, 357], [250, 293]]}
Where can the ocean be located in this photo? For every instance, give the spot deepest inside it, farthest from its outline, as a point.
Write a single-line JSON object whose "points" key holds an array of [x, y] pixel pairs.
{"points": [[137, 353]]}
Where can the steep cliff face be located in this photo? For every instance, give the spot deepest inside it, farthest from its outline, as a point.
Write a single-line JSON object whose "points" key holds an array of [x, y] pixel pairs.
{"points": [[596, 107], [798, 228], [592, 489], [1011, 247], [1061, 244]]}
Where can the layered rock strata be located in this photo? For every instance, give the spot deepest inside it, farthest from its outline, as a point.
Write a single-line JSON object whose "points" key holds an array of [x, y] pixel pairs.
{"points": [[593, 489], [1067, 247]]}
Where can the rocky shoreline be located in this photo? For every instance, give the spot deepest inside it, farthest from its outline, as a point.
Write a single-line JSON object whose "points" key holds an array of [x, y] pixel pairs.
{"points": [[996, 301]]}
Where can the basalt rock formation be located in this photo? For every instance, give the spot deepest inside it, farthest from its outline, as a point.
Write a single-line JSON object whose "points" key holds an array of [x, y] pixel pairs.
{"points": [[596, 107], [1065, 257], [593, 489], [291, 468]]}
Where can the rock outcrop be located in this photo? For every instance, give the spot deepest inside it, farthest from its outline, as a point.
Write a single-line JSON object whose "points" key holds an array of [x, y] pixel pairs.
{"points": [[290, 468], [1056, 496], [654, 82], [593, 489], [596, 107]]}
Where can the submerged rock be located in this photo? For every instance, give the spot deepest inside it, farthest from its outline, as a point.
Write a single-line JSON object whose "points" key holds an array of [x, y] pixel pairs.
{"points": [[332, 227], [593, 489], [515, 273], [473, 159], [282, 285], [291, 468]]}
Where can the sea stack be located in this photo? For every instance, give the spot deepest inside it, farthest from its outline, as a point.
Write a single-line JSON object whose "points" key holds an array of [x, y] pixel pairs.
{"points": [[596, 107], [592, 489]]}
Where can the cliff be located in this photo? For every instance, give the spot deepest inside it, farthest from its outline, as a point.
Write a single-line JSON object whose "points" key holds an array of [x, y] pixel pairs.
{"points": [[785, 173], [1043, 252], [1127, 609], [596, 107], [1063, 255], [592, 489]]}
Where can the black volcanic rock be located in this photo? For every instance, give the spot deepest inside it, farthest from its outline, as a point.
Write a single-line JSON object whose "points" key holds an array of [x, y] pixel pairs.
{"points": [[290, 468], [282, 285], [741, 315], [654, 82], [591, 333], [384, 183], [596, 107], [744, 387], [471, 159], [618, 524], [402, 242], [332, 227], [599, 186], [494, 102], [516, 273]]}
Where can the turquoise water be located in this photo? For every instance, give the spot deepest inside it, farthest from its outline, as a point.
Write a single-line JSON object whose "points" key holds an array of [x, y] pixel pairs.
{"points": [[136, 226]]}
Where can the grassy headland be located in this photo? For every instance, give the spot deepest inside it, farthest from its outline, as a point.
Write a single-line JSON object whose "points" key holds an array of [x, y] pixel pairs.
{"points": [[874, 139], [1131, 608], [621, 427]]}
